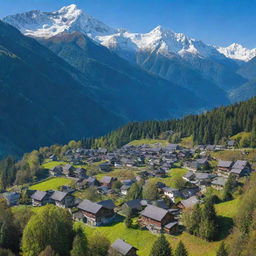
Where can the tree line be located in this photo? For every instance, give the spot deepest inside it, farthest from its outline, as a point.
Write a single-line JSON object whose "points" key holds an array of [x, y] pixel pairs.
{"points": [[214, 127]]}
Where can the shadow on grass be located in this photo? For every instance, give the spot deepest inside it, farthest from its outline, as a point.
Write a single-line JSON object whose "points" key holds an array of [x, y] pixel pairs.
{"points": [[118, 218], [225, 227]]}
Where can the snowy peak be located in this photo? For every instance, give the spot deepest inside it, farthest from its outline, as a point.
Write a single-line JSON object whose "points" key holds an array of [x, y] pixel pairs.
{"points": [[237, 52], [159, 40], [48, 24]]}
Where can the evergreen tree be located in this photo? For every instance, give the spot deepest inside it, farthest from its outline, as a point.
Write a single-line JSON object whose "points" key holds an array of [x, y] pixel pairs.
{"points": [[52, 226], [80, 245], [99, 245], [48, 252], [181, 250], [135, 192], [222, 251], [161, 247], [128, 220]]}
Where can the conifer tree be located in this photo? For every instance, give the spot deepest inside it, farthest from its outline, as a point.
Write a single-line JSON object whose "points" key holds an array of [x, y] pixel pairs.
{"points": [[181, 250], [161, 247], [80, 245], [222, 251]]}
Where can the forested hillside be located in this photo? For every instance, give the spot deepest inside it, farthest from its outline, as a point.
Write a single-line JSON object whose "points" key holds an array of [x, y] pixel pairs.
{"points": [[213, 127]]}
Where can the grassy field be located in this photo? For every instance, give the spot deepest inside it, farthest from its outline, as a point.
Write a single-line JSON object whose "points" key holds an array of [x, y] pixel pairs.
{"points": [[174, 173], [228, 209], [187, 142], [148, 142], [121, 174], [233, 155], [143, 239], [52, 164], [52, 184]]}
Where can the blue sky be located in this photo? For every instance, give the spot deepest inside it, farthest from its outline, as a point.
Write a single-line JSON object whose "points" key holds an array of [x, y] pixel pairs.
{"points": [[219, 22]]}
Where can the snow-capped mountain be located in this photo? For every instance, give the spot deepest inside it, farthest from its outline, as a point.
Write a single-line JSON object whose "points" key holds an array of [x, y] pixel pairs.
{"points": [[71, 18], [237, 52], [159, 40], [47, 24]]}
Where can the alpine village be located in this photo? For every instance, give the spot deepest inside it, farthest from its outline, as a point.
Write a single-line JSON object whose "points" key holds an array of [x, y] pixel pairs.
{"points": [[89, 181]]}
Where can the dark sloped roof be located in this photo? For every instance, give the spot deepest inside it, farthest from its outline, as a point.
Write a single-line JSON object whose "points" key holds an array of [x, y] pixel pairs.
{"points": [[171, 224], [106, 179], [154, 212], [89, 206], [109, 204], [134, 204], [226, 164], [190, 202], [122, 247], [39, 195], [239, 164], [58, 195]]}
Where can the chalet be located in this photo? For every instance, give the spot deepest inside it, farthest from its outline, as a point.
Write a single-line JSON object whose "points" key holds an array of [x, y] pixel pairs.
{"points": [[105, 167], [12, 198], [62, 199], [97, 214], [219, 182], [224, 167], [56, 171], [172, 193], [40, 198], [198, 164], [124, 189], [231, 144], [172, 147], [241, 168], [132, 206], [189, 176], [68, 170], [78, 216], [121, 248], [188, 203], [53, 158], [160, 173], [203, 178], [107, 181], [155, 219], [80, 173]]}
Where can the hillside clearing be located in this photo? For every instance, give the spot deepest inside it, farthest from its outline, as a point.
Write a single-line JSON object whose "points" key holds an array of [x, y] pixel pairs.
{"points": [[52, 184]]}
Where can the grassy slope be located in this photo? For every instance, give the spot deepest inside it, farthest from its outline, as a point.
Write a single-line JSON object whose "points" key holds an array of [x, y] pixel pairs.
{"points": [[173, 175], [148, 142], [242, 154], [52, 184]]}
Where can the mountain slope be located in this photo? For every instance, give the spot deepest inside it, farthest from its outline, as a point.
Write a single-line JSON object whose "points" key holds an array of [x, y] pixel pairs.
{"points": [[92, 59], [147, 50], [213, 127], [41, 104], [248, 70], [237, 52]]}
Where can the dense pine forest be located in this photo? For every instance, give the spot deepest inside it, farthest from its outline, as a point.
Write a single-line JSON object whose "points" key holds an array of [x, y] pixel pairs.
{"points": [[214, 127]]}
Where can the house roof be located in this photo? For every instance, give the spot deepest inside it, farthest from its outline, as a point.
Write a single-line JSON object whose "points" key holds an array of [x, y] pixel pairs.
{"points": [[122, 247], [106, 179], [154, 212], [239, 164], [171, 224], [58, 195], [219, 181], [89, 206], [39, 195], [134, 204], [189, 175], [190, 202], [170, 190], [225, 164], [109, 204]]}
